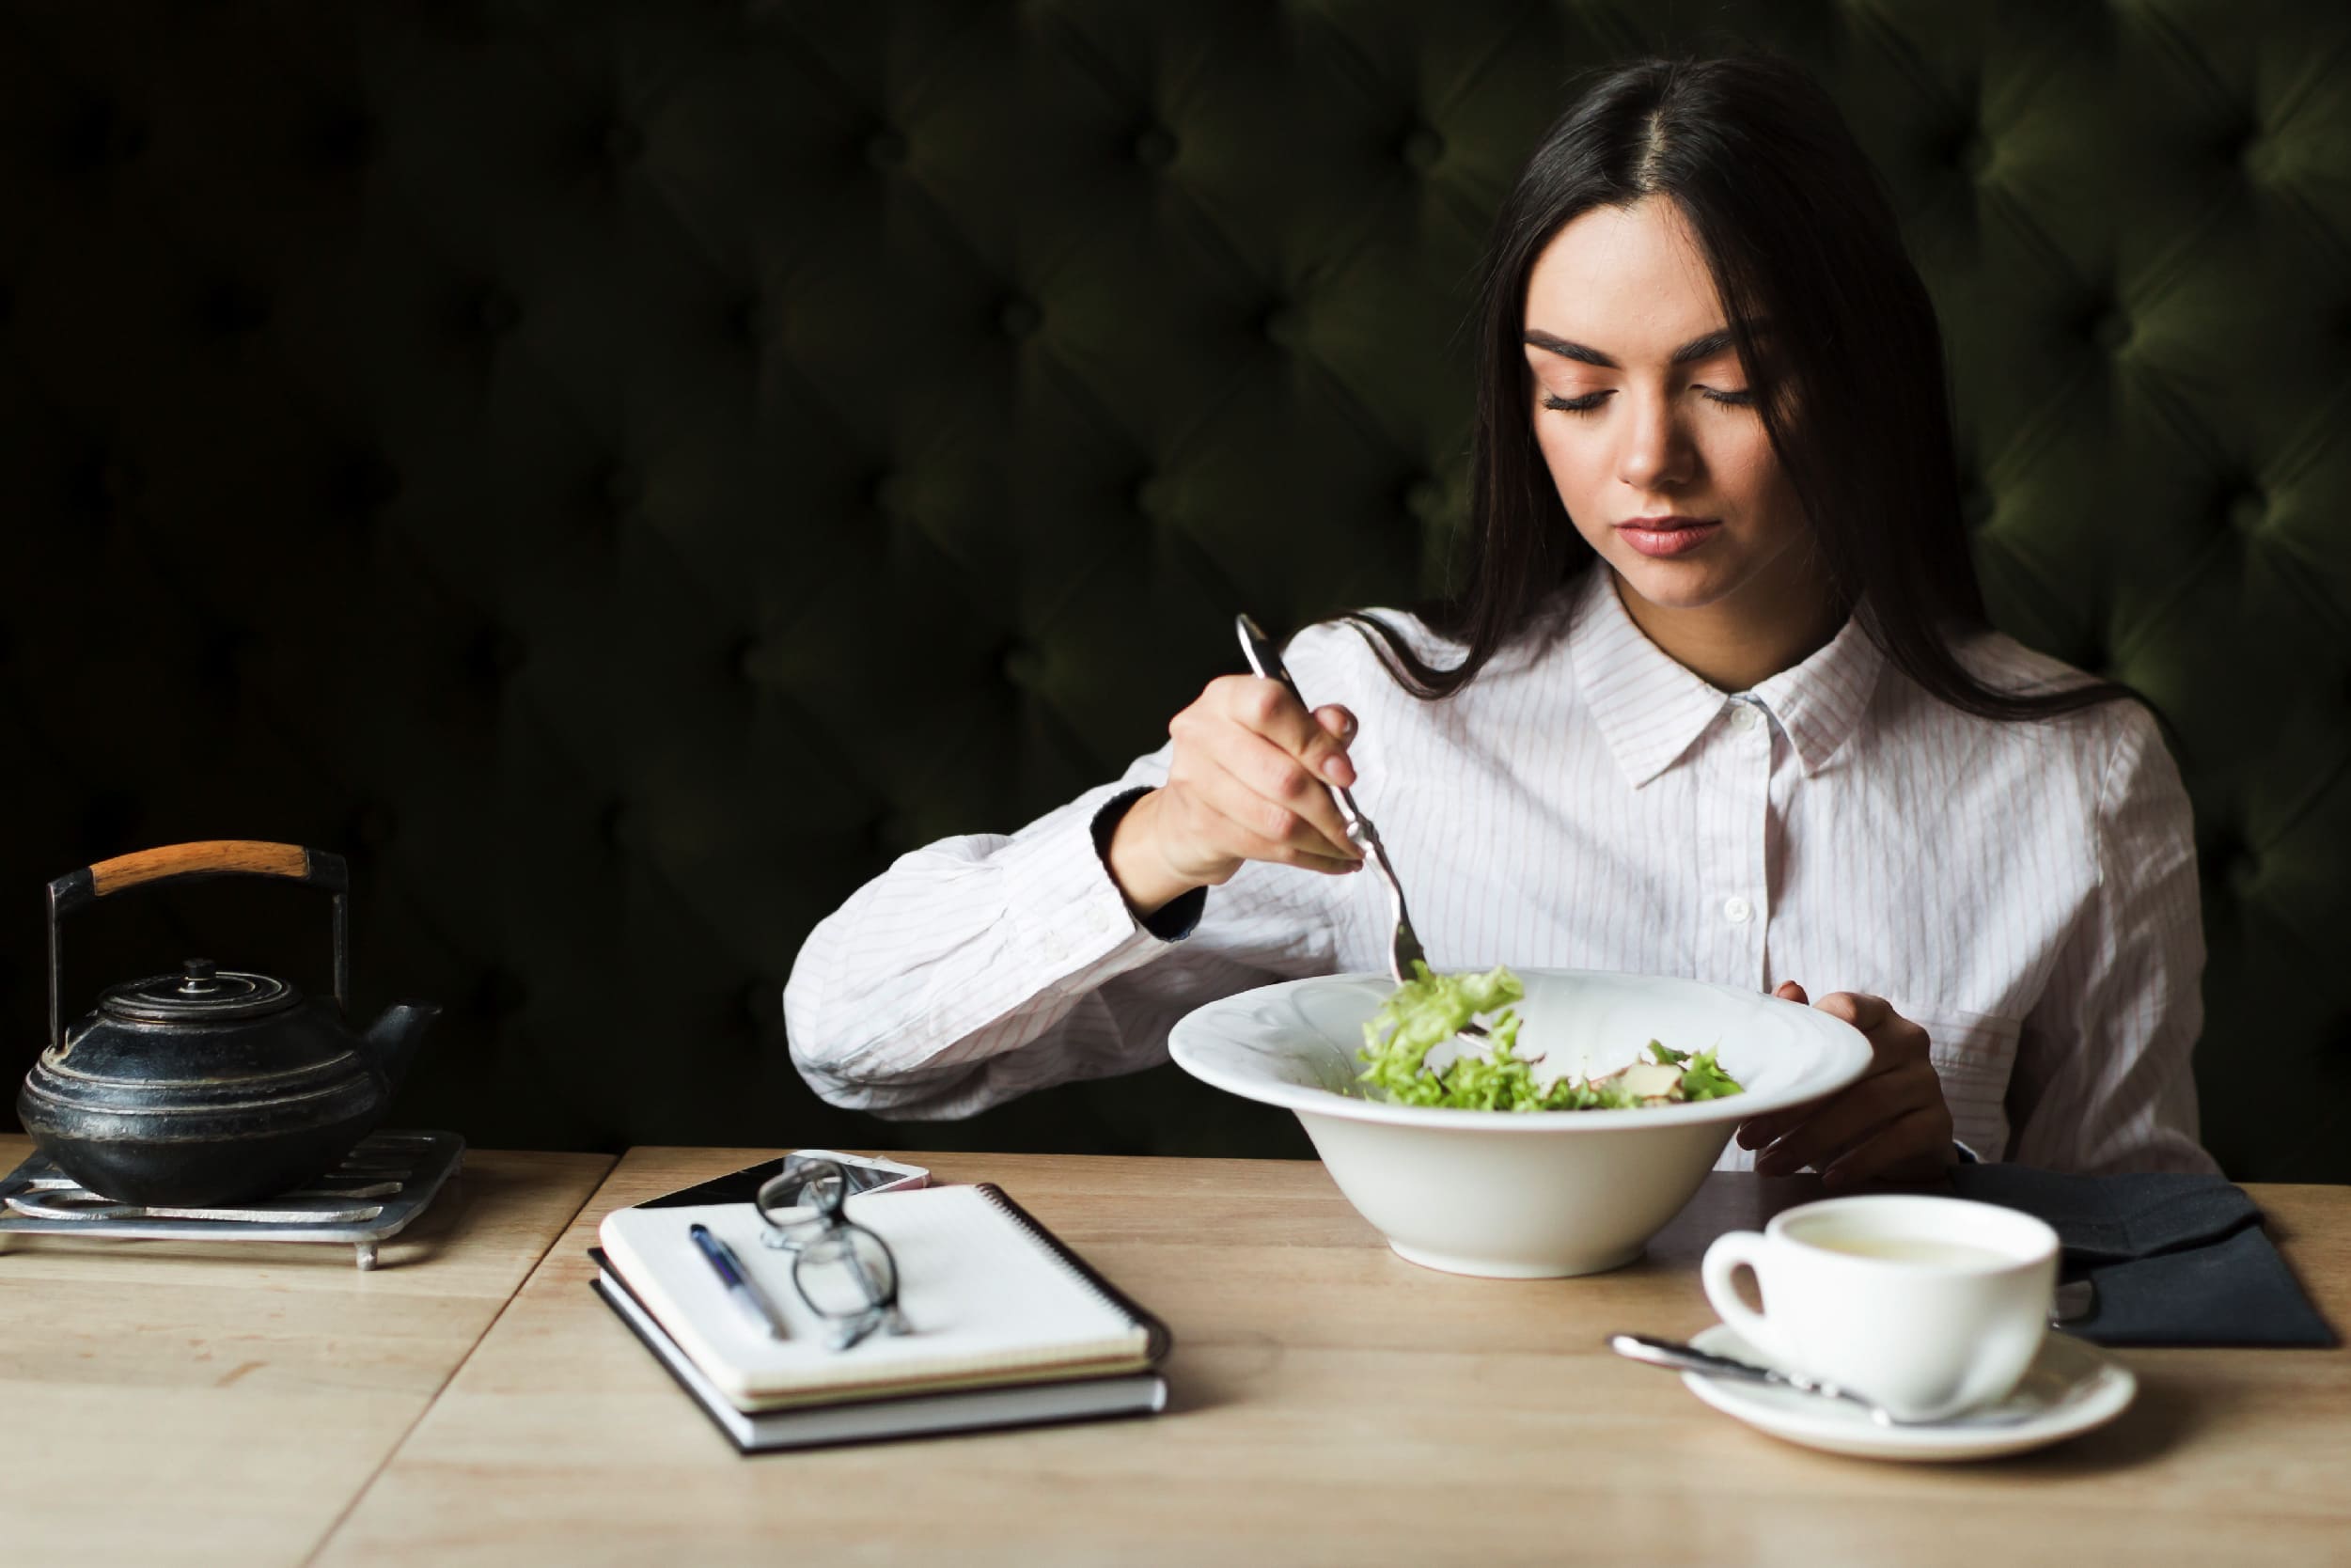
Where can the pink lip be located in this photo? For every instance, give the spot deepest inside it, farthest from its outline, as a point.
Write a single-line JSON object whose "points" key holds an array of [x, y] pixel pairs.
{"points": [[1667, 535]]}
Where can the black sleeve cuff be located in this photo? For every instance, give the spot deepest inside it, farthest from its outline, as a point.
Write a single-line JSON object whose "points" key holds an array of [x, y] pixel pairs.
{"points": [[1172, 923]]}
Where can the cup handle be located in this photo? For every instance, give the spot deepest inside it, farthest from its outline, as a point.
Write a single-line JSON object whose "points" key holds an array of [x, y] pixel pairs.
{"points": [[1723, 1260]]}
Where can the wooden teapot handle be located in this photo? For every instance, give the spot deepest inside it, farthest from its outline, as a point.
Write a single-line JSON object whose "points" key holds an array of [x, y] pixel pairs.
{"points": [[210, 857]]}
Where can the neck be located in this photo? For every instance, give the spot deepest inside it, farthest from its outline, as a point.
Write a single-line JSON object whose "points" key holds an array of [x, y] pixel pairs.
{"points": [[1737, 643]]}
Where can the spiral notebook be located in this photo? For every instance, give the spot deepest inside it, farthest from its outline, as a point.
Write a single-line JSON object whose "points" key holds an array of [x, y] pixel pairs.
{"points": [[994, 1299]]}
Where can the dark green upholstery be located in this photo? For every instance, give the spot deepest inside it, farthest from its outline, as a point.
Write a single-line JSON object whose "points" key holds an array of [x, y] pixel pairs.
{"points": [[621, 473]]}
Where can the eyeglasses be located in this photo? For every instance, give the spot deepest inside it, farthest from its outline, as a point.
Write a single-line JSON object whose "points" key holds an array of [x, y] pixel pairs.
{"points": [[843, 1270]]}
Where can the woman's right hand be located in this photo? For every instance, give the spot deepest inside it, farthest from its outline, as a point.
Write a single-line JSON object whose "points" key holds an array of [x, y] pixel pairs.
{"points": [[1249, 780]]}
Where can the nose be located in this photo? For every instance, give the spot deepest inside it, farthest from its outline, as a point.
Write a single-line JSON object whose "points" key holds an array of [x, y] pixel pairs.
{"points": [[1657, 453]]}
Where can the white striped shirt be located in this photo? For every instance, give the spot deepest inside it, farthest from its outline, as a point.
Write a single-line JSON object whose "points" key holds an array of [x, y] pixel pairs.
{"points": [[2024, 891]]}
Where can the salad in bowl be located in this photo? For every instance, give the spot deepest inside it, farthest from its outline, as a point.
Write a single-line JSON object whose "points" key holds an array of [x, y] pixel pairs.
{"points": [[1559, 1142]]}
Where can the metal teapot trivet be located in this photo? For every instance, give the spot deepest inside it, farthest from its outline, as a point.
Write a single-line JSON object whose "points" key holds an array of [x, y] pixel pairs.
{"points": [[381, 1185]]}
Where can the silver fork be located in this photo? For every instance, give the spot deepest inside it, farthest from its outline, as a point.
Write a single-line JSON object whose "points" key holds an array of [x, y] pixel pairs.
{"points": [[1403, 948]]}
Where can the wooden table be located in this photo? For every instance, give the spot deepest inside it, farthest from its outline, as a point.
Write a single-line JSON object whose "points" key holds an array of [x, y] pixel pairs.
{"points": [[205, 1403], [1333, 1403]]}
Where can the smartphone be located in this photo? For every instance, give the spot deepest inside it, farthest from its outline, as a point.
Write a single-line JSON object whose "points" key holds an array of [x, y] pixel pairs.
{"points": [[867, 1174]]}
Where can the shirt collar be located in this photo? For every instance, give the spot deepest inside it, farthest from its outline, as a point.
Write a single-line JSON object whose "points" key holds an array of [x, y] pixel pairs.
{"points": [[1651, 709], [1820, 701]]}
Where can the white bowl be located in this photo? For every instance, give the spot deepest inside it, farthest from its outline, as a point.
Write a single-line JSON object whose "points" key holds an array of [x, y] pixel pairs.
{"points": [[1521, 1194]]}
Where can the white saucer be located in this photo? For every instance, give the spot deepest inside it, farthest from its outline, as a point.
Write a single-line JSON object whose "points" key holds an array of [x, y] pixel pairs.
{"points": [[2070, 1388]]}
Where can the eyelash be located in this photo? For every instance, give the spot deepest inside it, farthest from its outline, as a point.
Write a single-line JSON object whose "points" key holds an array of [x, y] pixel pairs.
{"points": [[1590, 403]]}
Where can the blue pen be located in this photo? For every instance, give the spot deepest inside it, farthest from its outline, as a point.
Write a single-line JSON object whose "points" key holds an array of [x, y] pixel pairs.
{"points": [[745, 1294]]}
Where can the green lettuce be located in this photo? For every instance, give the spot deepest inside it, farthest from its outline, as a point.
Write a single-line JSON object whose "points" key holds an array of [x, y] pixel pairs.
{"points": [[1430, 1008]]}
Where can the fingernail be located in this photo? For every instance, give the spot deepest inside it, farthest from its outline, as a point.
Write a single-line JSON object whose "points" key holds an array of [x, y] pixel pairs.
{"points": [[1337, 770]]}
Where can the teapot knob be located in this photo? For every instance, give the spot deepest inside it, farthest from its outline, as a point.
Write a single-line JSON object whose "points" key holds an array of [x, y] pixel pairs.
{"points": [[197, 981]]}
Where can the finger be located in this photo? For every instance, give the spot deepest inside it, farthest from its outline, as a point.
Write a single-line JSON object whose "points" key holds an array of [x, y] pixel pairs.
{"points": [[1279, 778], [1249, 825], [1905, 1150], [1846, 1120], [1757, 1131], [1897, 1043], [1338, 720], [1268, 708], [1864, 1012], [1237, 839]]}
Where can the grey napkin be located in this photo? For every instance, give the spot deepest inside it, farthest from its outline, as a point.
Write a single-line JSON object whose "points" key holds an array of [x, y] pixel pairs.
{"points": [[2176, 1260]]}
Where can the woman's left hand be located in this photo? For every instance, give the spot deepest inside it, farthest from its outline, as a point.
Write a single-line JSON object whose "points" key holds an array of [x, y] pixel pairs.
{"points": [[1892, 1124]]}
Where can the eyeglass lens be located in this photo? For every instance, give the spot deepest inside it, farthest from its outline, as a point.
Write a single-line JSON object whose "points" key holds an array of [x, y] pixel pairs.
{"points": [[801, 1203], [846, 1273]]}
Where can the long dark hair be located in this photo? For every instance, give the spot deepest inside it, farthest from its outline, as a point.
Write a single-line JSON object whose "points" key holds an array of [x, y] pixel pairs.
{"points": [[1797, 231]]}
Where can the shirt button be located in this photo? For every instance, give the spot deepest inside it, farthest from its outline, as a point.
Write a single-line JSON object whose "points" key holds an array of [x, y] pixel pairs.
{"points": [[1742, 716], [1736, 910]]}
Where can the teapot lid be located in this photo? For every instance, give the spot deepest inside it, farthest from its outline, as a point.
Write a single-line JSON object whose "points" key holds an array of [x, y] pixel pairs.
{"points": [[201, 993]]}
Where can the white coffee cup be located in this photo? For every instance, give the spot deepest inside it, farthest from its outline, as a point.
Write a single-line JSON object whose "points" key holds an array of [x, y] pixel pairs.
{"points": [[1926, 1306]]}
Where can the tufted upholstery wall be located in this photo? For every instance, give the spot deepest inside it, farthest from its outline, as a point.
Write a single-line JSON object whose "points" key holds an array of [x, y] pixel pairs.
{"points": [[621, 471]]}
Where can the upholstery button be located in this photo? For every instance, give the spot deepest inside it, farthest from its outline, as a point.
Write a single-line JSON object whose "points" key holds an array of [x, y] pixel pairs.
{"points": [[622, 141], [619, 826], [499, 993], [1154, 147], [747, 321], [1976, 507], [2243, 146], [1737, 910], [1019, 318], [619, 489], [361, 487], [2244, 874], [2112, 331], [496, 653], [1976, 156], [885, 149], [373, 824], [1422, 149], [891, 493], [121, 480], [2249, 511], [763, 1004], [1423, 499], [234, 309], [1150, 495], [345, 138], [1281, 326], [1021, 666], [102, 133], [495, 312]]}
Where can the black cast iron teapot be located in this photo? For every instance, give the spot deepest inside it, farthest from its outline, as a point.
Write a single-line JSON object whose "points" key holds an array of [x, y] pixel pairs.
{"points": [[211, 1086]]}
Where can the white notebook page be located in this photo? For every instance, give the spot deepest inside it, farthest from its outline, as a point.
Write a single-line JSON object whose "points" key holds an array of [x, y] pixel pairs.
{"points": [[987, 1301]]}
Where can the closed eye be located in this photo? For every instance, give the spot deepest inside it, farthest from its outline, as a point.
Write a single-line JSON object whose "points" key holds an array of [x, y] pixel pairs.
{"points": [[1592, 401]]}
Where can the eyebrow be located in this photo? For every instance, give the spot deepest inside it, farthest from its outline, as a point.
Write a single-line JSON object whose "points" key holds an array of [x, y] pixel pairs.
{"points": [[1688, 354]]}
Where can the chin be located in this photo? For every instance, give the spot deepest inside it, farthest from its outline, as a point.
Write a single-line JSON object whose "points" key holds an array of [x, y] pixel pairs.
{"points": [[1671, 585]]}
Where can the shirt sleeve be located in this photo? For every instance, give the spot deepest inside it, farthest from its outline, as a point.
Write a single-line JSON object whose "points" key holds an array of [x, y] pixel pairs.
{"points": [[2103, 1080], [980, 967]]}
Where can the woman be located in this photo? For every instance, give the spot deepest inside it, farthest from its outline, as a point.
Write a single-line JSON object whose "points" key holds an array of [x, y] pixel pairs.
{"points": [[1719, 699]]}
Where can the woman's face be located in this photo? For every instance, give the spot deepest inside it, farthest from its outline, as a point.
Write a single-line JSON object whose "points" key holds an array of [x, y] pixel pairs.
{"points": [[1644, 418]]}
